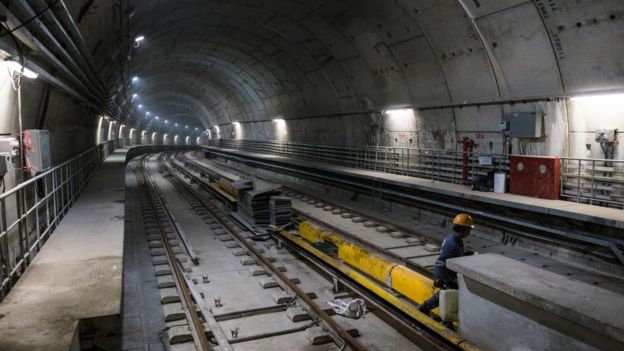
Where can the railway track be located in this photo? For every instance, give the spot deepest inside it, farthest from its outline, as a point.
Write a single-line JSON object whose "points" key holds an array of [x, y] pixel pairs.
{"points": [[278, 301], [408, 246]]}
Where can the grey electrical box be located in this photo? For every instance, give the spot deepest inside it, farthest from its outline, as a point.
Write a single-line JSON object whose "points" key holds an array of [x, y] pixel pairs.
{"points": [[524, 124], [40, 153], [605, 135]]}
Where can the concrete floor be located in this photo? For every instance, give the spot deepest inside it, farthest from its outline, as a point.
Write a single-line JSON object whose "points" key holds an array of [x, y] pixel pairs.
{"points": [[239, 290], [77, 276]]}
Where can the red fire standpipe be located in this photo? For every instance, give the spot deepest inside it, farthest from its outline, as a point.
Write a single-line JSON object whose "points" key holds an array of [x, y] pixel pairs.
{"points": [[467, 145]]}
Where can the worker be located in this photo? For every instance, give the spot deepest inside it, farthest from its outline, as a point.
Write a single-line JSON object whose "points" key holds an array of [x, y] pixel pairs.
{"points": [[452, 246]]}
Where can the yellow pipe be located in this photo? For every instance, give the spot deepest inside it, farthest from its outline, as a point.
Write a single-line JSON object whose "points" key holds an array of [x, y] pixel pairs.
{"points": [[369, 263], [410, 284], [401, 279], [403, 305]]}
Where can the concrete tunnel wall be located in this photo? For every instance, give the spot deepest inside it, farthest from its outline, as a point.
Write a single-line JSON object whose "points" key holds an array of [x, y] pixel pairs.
{"points": [[330, 70]]}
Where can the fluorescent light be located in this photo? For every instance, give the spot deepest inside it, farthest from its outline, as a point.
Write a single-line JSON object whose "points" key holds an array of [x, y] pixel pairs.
{"points": [[15, 66], [139, 39], [400, 113], [600, 98]]}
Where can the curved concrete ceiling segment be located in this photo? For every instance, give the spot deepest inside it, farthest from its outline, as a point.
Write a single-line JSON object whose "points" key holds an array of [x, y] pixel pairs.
{"points": [[213, 62]]}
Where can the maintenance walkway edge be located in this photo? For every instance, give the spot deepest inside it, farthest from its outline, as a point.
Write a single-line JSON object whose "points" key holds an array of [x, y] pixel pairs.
{"points": [[608, 217], [78, 273]]}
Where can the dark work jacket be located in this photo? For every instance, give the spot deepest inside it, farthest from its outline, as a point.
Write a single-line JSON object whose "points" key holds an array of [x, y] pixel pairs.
{"points": [[452, 247]]}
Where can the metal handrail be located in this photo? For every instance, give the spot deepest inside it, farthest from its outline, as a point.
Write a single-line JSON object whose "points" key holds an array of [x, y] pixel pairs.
{"points": [[30, 211], [443, 165]]}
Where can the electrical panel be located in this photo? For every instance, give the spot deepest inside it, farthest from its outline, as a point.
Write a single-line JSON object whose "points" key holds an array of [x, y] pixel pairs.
{"points": [[40, 153], [9, 147], [524, 124], [605, 135]]}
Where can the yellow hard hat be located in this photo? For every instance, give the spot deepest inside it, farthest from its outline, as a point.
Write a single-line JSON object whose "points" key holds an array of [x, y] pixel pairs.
{"points": [[463, 219]]}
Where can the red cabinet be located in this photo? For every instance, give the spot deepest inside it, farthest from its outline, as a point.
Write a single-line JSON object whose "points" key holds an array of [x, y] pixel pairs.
{"points": [[534, 176]]}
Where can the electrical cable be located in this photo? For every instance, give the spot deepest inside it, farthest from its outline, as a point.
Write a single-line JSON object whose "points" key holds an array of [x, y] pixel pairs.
{"points": [[37, 15]]}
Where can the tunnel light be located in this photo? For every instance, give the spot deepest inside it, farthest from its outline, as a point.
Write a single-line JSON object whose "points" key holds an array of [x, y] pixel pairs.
{"points": [[15, 66], [147, 113], [134, 79], [166, 122], [176, 124], [140, 106], [156, 118], [139, 39], [278, 120], [600, 98], [236, 123], [196, 128], [400, 113], [186, 127]]}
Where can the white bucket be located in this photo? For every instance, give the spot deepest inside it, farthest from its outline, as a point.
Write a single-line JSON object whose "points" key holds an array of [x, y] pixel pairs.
{"points": [[500, 182]]}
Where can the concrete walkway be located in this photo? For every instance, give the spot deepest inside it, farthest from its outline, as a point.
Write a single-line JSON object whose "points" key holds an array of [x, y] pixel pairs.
{"points": [[77, 276], [571, 210]]}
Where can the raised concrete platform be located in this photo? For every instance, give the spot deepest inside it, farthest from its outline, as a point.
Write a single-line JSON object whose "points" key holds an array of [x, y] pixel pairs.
{"points": [[75, 282], [534, 309], [608, 217]]}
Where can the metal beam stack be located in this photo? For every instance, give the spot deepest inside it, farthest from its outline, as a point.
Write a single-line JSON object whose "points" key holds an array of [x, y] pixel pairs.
{"points": [[279, 210], [253, 203]]}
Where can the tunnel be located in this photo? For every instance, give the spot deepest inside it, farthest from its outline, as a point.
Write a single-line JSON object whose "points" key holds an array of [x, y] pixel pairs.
{"points": [[291, 175]]}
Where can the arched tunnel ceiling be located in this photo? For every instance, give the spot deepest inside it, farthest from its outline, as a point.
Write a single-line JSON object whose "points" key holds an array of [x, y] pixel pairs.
{"points": [[211, 62]]}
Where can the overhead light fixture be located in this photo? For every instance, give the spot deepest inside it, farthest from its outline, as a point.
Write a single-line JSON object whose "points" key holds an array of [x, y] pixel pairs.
{"points": [[176, 124], [600, 97], [400, 113], [196, 128], [186, 127], [139, 39], [134, 79], [278, 120], [156, 118], [15, 66], [140, 106], [147, 113], [134, 96], [166, 122]]}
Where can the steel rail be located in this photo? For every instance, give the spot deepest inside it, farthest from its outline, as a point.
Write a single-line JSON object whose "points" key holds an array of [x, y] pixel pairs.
{"points": [[494, 220], [393, 306], [197, 328], [512, 230], [339, 333], [432, 333]]}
